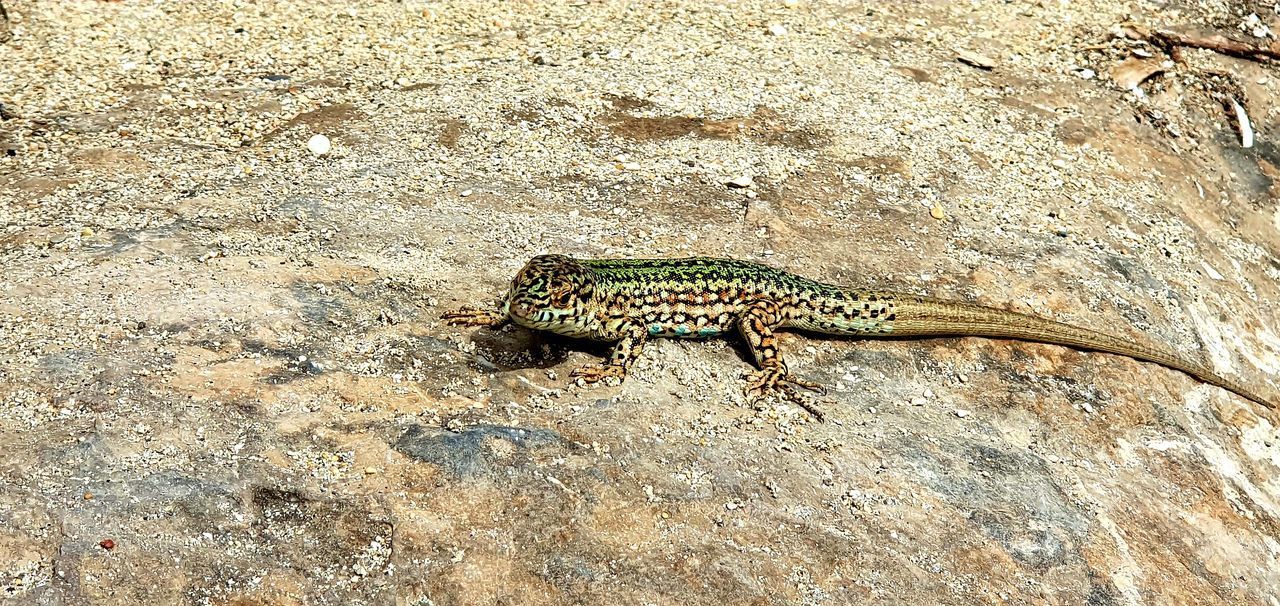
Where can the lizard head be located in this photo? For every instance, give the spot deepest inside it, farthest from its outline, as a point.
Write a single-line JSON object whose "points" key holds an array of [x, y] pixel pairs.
{"points": [[552, 292]]}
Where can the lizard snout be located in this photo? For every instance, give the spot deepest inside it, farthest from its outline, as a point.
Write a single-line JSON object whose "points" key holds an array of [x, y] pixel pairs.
{"points": [[521, 309]]}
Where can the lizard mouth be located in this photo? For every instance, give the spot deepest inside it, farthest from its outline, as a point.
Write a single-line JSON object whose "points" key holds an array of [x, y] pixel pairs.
{"points": [[539, 320], [526, 311], [530, 315]]}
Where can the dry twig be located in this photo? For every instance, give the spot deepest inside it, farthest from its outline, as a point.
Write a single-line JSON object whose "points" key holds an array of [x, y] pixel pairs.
{"points": [[5, 34], [1171, 40]]}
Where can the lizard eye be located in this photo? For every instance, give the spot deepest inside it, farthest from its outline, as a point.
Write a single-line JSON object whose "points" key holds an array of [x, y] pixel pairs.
{"points": [[562, 298], [560, 293]]}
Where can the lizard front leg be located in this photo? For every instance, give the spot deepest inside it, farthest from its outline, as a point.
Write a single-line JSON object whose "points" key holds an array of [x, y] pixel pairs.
{"points": [[470, 316], [756, 325], [624, 352]]}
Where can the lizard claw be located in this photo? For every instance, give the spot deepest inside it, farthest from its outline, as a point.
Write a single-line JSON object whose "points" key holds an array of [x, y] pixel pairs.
{"points": [[468, 316], [595, 373], [776, 381], [814, 387]]}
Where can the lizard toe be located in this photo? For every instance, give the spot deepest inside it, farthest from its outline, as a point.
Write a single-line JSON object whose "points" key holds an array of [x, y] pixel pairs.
{"points": [[595, 373], [773, 381]]}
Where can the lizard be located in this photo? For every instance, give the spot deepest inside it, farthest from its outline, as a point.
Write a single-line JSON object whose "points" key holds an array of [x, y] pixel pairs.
{"points": [[629, 301]]}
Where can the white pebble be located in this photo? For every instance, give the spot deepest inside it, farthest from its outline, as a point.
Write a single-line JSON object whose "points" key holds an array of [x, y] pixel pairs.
{"points": [[319, 145], [465, 193], [777, 29], [962, 413], [1213, 273]]}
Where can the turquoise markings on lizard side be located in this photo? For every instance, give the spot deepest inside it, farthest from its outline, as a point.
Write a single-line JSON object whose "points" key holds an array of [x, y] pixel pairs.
{"points": [[680, 330], [708, 331]]}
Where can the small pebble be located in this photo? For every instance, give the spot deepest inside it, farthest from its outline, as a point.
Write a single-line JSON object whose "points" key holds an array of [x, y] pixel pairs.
{"points": [[777, 29], [741, 181], [319, 145], [86, 232], [1208, 269], [466, 193], [918, 401], [937, 213], [962, 413]]}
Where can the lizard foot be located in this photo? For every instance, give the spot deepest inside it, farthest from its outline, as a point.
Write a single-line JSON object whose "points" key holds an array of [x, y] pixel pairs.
{"points": [[595, 373], [468, 316], [776, 381]]}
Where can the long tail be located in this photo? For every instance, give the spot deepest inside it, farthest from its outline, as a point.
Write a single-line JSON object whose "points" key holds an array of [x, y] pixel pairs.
{"points": [[912, 315]]}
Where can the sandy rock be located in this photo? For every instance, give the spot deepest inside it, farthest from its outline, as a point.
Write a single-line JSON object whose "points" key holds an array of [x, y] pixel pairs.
{"points": [[234, 348]]}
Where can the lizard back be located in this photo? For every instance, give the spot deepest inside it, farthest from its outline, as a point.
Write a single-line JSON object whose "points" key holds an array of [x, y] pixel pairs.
{"points": [[695, 296]]}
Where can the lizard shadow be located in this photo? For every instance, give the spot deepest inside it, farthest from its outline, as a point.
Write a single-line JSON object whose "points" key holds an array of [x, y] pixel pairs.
{"points": [[826, 344], [520, 348]]}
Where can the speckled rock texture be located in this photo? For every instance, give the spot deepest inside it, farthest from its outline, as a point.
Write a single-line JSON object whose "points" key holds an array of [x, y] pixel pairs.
{"points": [[223, 377]]}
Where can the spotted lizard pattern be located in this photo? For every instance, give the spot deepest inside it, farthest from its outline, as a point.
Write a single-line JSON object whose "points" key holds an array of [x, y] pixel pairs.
{"points": [[629, 301]]}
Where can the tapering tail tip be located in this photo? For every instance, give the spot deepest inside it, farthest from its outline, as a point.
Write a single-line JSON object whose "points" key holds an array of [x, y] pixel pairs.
{"points": [[924, 316]]}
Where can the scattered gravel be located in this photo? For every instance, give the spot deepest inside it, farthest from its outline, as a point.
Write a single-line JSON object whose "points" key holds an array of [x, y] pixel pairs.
{"points": [[228, 229]]}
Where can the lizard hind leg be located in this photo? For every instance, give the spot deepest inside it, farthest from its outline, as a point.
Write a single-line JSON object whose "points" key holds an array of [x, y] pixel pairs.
{"points": [[756, 325]]}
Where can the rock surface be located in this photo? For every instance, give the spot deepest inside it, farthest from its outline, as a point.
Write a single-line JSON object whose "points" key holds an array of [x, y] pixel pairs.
{"points": [[223, 379]]}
